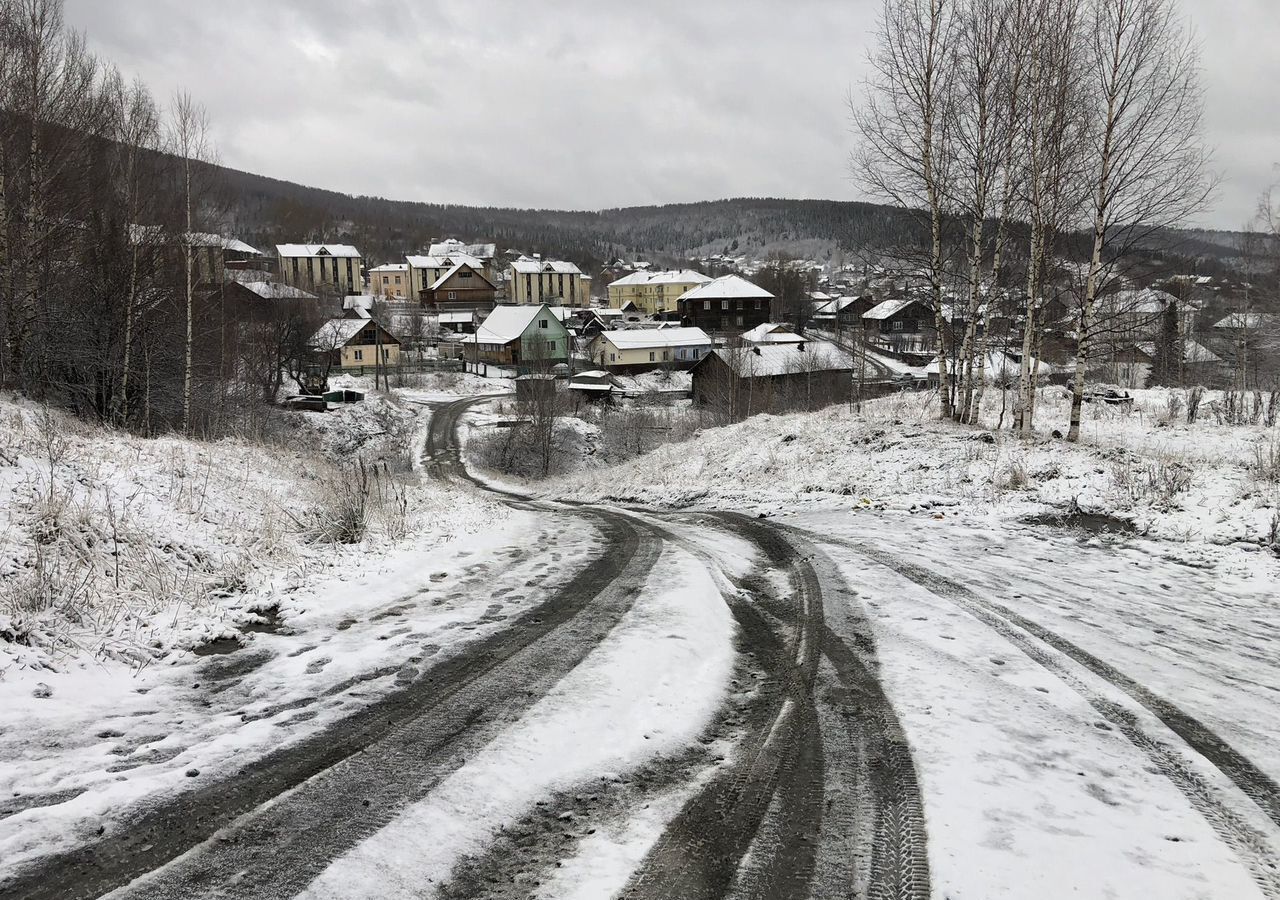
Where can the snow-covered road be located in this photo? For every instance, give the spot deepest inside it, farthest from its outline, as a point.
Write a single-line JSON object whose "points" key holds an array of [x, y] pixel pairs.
{"points": [[595, 702]]}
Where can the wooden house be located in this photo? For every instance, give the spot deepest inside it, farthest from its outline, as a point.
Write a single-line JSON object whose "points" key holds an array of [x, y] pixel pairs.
{"points": [[461, 288], [730, 304], [355, 342], [524, 337], [744, 381]]}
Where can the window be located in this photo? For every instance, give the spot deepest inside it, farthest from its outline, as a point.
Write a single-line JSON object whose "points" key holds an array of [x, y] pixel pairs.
{"points": [[358, 354], [898, 324], [651, 356], [724, 306], [453, 295], [386, 353], [706, 305], [542, 323], [613, 357], [666, 355], [465, 274], [397, 279]]}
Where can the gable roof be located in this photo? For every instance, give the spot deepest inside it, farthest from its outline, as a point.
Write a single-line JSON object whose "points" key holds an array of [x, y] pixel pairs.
{"points": [[274, 290], [670, 276], [889, 308], [728, 287], [340, 332], [444, 261], [765, 360], [646, 338], [390, 267], [312, 250], [772, 333], [527, 265], [507, 323], [454, 271]]}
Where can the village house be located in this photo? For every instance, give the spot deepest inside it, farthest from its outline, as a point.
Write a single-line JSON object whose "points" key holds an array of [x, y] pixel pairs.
{"points": [[259, 300], [311, 266], [460, 289], [551, 281], [902, 324], [355, 342], [524, 337], [727, 304], [772, 378], [642, 349], [655, 293], [391, 280]]}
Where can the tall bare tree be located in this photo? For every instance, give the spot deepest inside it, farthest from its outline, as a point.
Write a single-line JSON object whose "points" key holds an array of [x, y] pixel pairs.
{"points": [[903, 126], [1149, 165]]}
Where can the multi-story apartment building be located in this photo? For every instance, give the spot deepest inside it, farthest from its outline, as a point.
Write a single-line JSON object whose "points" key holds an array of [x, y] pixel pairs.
{"points": [[654, 293], [550, 281], [313, 266]]}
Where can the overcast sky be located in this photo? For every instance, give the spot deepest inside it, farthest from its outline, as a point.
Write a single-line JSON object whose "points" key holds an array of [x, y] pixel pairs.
{"points": [[584, 104]]}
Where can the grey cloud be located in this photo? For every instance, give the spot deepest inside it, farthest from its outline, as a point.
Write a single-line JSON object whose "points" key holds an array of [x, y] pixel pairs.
{"points": [[583, 104]]}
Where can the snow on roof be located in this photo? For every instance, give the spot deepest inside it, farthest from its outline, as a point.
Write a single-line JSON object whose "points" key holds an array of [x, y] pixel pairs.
{"points": [[727, 287], [337, 332], [226, 243], [889, 308], [454, 318], [449, 274], [274, 290], [772, 333], [506, 323], [453, 246], [311, 250], [527, 265], [766, 360], [1147, 301], [646, 338], [445, 261], [1248, 320], [670, 276], [1192, 352], [390, 267]]}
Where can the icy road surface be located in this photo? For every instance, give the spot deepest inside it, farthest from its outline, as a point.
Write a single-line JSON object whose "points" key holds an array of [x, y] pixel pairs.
{"points": [[592, 702]]}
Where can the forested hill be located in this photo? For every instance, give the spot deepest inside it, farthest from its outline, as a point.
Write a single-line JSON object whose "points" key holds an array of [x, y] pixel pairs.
{"points": [[266, 211]]}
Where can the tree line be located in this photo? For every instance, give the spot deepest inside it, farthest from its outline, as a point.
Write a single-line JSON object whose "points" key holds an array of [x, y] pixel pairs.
{"points": [[111, 301], [1039, 144]]}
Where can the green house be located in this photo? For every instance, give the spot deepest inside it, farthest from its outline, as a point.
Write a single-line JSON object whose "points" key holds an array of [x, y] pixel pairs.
{"points": [[530, 338]]}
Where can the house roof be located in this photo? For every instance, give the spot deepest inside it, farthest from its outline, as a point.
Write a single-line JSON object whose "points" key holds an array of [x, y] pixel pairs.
{"points": [[772, 333], [728, 287], [445, 261], [454, 318], [1192, 352], [670, 276], [1248, 320], [453, 246], [1147, 301], [889, 308], [311, 250], [527, 265], [507, 323], [645, 338], [454, 271], [274, 290], [391, 267], [338, 333], [766, 360]]}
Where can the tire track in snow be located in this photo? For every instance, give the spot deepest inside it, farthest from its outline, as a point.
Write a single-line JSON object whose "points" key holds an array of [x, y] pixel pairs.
{"points": [[1253, 847], [280, 819]]}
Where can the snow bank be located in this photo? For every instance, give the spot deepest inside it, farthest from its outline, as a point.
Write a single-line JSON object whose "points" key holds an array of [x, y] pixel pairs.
{"points": [[1172, 480]]}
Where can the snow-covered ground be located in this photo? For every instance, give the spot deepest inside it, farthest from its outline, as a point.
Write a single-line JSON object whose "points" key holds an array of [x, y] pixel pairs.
{"points": [[1189, 483]]}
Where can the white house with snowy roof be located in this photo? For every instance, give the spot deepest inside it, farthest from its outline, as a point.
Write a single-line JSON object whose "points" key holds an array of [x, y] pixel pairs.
{"points": [[310, 266], [641, 349]]}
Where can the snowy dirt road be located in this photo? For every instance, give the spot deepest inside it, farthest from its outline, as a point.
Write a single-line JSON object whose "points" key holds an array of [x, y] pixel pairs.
{"points": [[700, 704]]}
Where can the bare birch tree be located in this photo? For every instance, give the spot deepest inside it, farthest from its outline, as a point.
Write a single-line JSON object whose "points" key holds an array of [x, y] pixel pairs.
{"points": [[1150, 168], [903, 123], [189, 137]]}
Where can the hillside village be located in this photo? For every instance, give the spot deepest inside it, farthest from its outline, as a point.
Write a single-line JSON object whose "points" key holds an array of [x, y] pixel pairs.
{"points": [[920, 545]]}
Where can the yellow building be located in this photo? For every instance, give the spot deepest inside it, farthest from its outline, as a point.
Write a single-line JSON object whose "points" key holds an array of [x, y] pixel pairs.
{"points": [[312, 266], [391, 280], [550, 281], [353, 343], [654, 293]]}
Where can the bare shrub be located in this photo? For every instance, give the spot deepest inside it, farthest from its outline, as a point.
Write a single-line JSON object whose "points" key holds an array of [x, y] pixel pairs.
{"points": [[1265, 464], [1012, 476], [1173, 408], [1194, 397]]}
